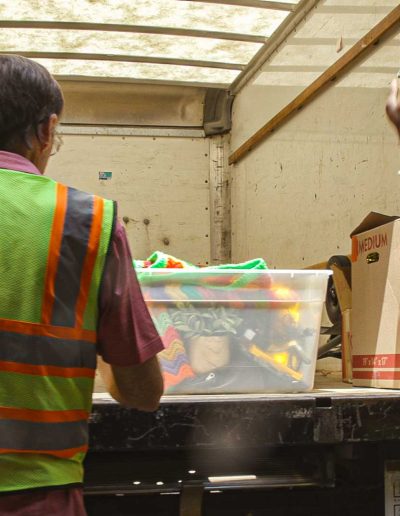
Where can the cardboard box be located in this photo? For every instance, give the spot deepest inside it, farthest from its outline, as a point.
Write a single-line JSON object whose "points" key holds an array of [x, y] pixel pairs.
{"points": [[376, 302]]}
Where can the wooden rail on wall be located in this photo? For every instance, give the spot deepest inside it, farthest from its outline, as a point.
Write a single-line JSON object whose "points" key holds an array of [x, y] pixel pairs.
{"points": [[314, 88]]}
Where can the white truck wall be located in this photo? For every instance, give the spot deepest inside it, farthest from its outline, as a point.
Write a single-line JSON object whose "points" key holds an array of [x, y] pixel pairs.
{"points": [[297, 196], [162, 179]]}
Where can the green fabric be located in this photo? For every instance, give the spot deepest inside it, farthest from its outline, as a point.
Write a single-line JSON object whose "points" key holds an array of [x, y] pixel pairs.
{"points": [[91, 312], [24, 195], [45, 392], [185, 273], [160, 260], [43, 471], [30, 194], [23, 260], [255, 264]]}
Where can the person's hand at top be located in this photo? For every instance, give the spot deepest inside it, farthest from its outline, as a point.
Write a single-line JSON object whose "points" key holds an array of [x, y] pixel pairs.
{"points": [[393, 105]]}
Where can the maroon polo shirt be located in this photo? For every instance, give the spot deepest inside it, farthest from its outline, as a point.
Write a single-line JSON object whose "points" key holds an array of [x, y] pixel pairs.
{"points": [[44, 502], [126, 336]]}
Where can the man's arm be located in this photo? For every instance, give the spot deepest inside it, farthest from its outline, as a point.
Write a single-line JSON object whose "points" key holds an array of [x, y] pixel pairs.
{"points": [[138, 386], [393, 105], [128, 341]]}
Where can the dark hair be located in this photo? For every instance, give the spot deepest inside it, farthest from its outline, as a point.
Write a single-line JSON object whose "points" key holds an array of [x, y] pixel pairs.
{"points": [[29, 95]]}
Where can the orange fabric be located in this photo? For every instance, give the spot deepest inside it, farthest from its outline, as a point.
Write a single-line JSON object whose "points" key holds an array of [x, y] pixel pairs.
{"points": [[62, 454], [173, 379], [54, 252], [43, 416], [90, 260], [46, 330], [46, 370]]}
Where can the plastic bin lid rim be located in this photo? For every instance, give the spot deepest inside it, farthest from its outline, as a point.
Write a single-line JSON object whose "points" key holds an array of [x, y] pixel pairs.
{"points": [[313, 272]]}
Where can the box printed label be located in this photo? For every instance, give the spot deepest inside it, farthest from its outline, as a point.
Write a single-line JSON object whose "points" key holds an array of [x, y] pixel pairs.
{"points": [[386, 361], [372, 242]]}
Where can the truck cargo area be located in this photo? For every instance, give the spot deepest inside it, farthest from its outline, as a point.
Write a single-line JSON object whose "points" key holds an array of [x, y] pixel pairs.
{"points": [[232, 130]]}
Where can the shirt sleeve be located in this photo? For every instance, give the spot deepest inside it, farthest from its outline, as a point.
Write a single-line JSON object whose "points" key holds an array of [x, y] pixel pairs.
{"points": [[126, 333]]}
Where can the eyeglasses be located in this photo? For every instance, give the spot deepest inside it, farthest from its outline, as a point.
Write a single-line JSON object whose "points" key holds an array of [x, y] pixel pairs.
{"points": [[57, 144]]}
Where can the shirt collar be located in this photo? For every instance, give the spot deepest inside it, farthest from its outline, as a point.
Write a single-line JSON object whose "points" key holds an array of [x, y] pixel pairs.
{"points": [[11, 161]]}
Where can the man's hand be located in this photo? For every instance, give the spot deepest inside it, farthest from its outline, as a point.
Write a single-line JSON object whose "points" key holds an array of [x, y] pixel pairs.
{"points": [[393, 105], [138, 386]]}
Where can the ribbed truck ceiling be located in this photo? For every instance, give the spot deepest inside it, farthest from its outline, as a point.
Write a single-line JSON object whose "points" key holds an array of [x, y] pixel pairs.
{"points": [[194, 42]]}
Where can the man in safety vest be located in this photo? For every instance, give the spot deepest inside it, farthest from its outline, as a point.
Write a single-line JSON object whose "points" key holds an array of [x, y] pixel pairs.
{"points": [[68, 294]]}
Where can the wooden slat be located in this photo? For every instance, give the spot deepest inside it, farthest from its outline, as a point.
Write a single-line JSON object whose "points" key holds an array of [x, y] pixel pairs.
{"points": [[323, 80], [260, 4], [132, 29], [127, 59]]}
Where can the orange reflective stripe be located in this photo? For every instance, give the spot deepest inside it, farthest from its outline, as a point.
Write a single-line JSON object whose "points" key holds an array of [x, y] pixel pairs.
{"points": [[54, 252], [90, 260], [47, 370], [47, 330], [43, 416], [62, 454]]}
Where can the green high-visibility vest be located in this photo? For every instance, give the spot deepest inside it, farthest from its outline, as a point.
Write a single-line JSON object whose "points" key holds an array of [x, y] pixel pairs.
{"points": [[53, 245]]}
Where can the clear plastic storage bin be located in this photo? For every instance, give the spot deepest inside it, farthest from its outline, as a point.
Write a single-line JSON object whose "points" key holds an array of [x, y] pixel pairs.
{"points": [[236, 331]]}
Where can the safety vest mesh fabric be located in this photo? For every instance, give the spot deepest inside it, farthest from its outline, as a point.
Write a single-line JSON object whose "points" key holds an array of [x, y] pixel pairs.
{"points": [[53, 246]]}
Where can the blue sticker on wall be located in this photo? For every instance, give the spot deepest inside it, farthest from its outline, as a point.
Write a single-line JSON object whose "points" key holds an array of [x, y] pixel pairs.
{"points": [[105, 176]]}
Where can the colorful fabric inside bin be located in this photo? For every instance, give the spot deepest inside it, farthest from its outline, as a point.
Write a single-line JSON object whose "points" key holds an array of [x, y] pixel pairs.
{"points": [[174, 359]]}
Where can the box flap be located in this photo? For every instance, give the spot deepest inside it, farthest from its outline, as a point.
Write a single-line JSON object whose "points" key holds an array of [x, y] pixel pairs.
{"points": [[373, 220]]}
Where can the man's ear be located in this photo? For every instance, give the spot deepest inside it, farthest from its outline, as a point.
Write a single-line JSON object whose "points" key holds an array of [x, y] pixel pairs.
{"points": [[46, 131]]}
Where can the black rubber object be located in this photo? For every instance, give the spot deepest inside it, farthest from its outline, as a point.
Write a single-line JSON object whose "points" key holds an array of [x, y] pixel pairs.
{"points": [[332, 301]]}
